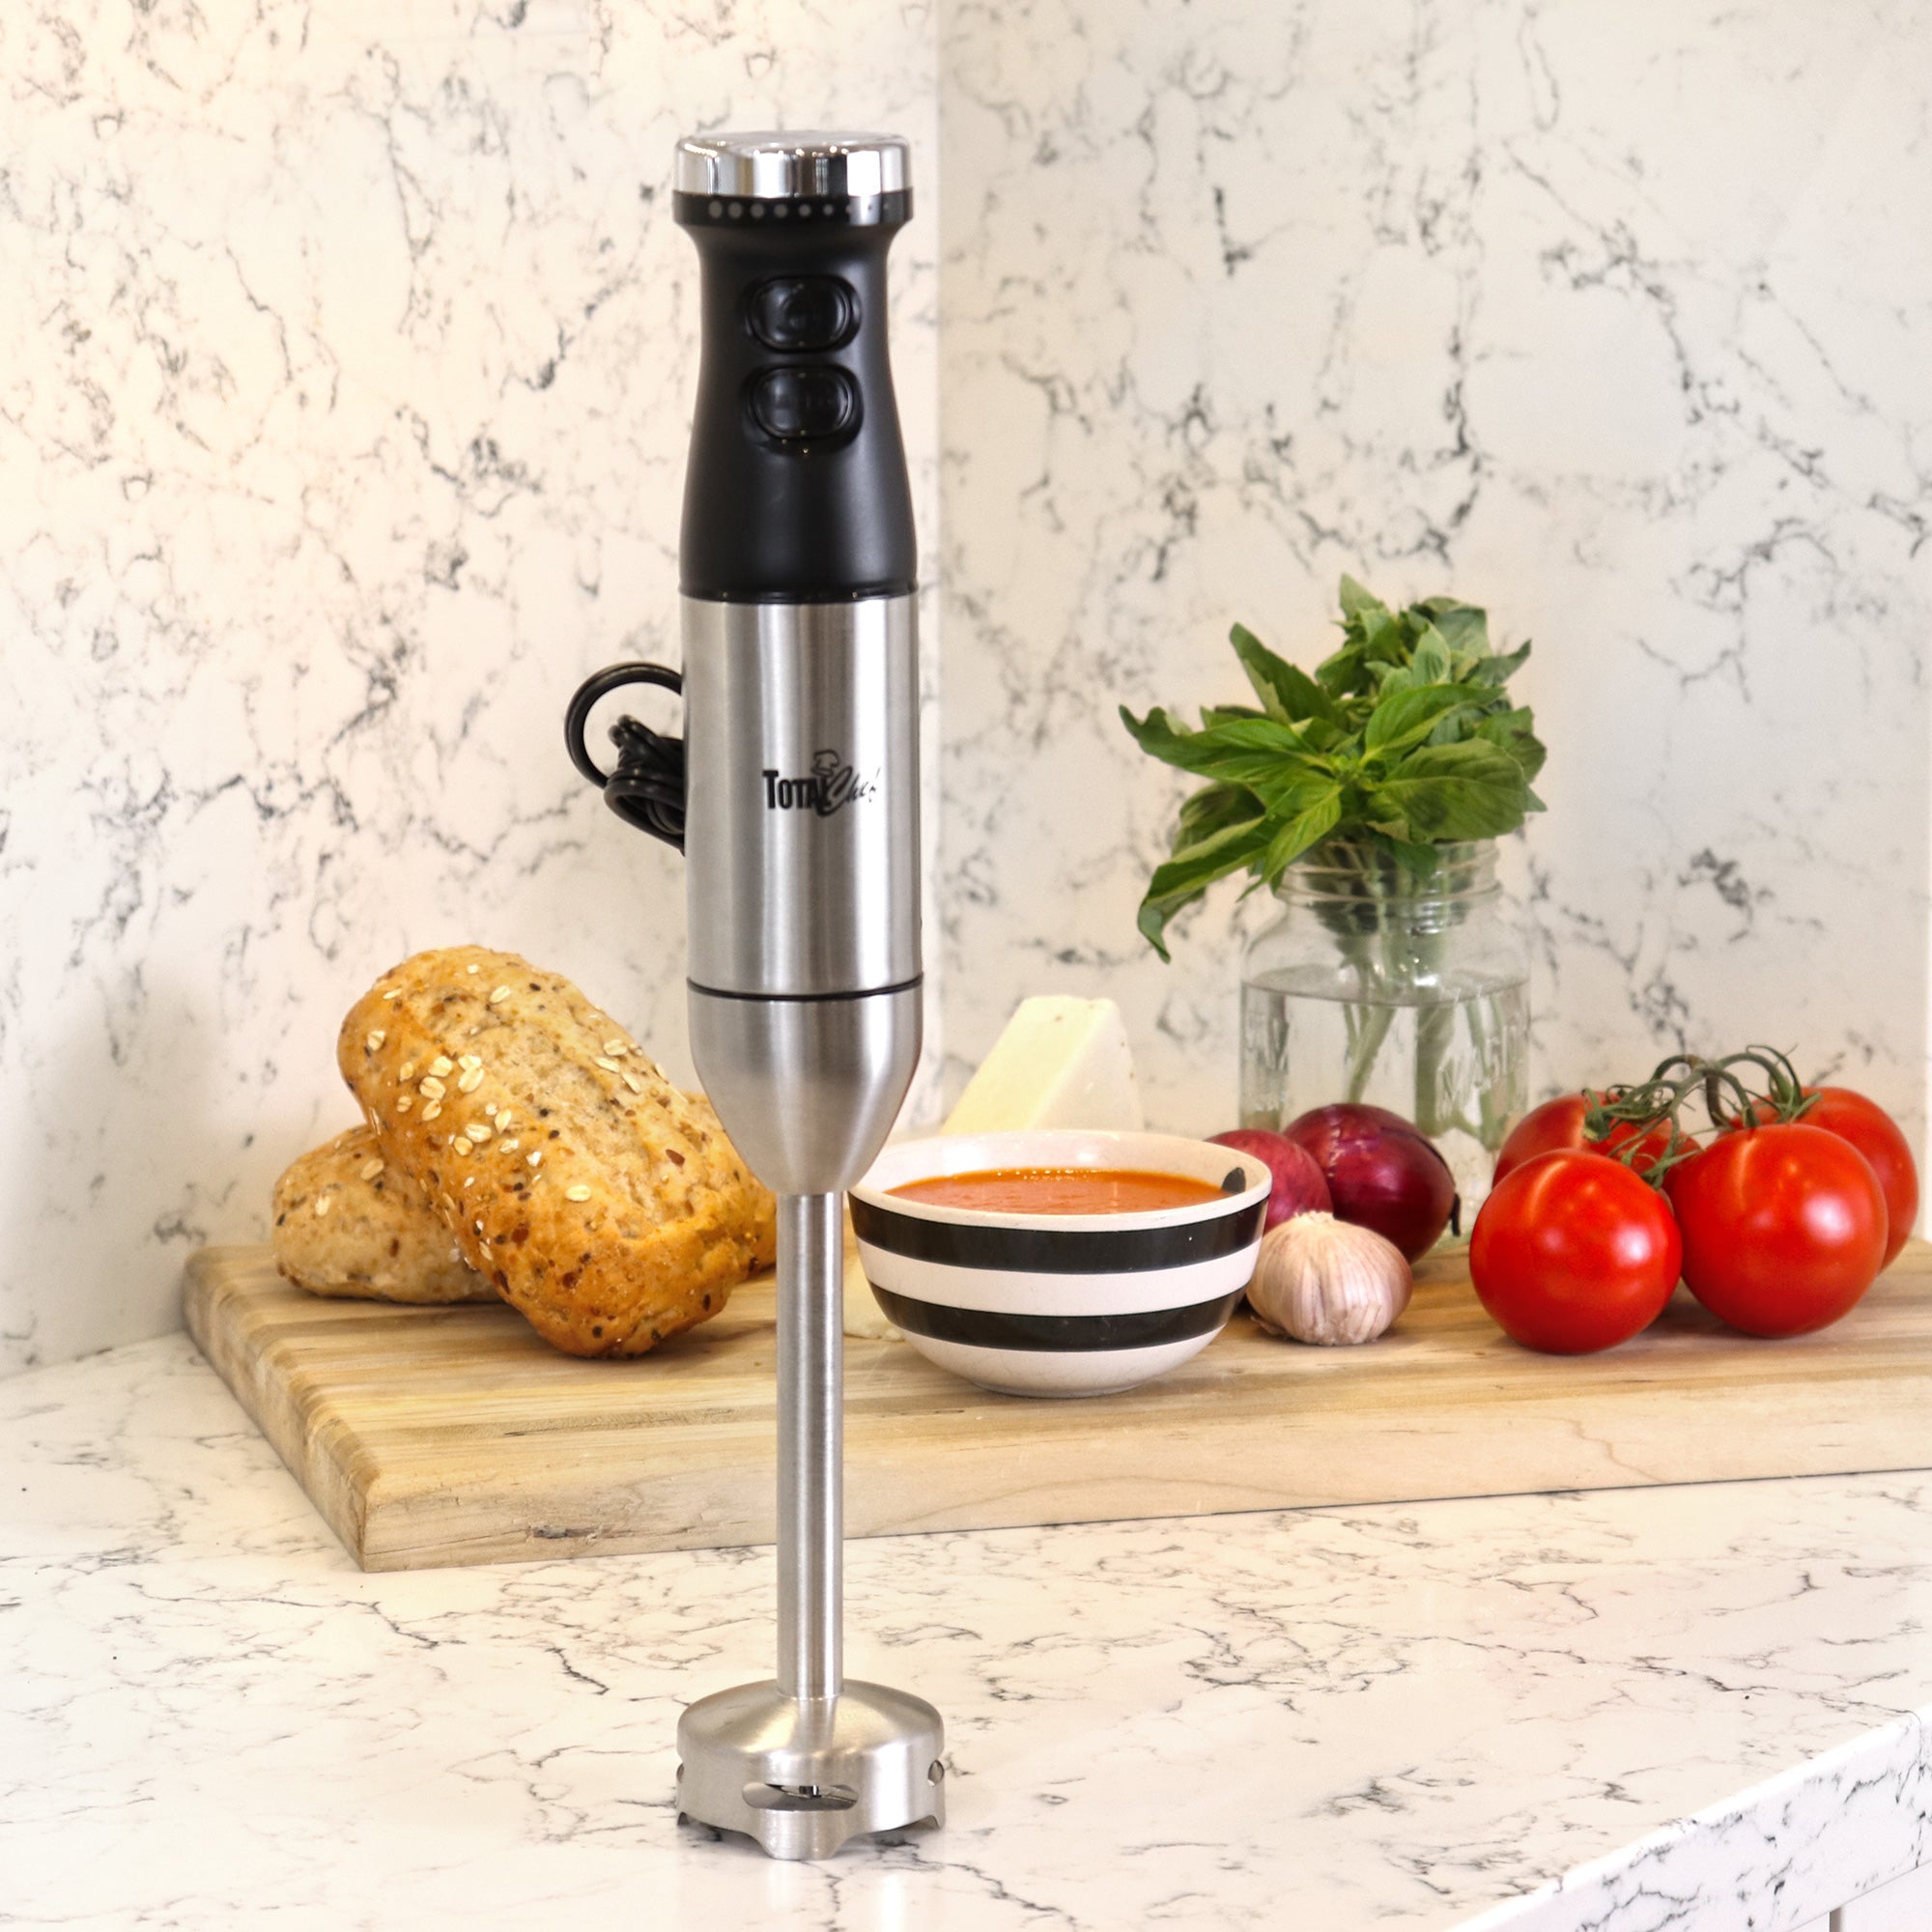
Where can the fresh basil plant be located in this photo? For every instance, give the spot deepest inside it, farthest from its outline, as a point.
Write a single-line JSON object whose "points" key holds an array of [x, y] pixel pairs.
{"points": [[1405, 739]]}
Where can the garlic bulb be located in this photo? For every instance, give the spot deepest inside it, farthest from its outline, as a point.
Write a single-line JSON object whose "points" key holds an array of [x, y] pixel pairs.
{"points": [[1318, 1279]]}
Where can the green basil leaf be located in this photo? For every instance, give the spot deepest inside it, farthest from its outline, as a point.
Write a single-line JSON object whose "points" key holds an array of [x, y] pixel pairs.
{"points": [[1412, 857], [1212, 715], [1255, 734], [1213, 808], [1463, 627], [1295, 788], [1166, 738], [1324, 737], [1186, 876], [1406, 718], [1382, 638], [1344, 675], [1430, 664], [1370, 638], [1471, 790], [1515, 733], [1243, 751], [1308, 826], [1157, 734], [1500, 668], [1288, 692], [1356, 601]]}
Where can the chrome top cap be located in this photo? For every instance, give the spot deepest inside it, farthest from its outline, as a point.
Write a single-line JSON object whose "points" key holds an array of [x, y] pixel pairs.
{"points": [[782, 166]]}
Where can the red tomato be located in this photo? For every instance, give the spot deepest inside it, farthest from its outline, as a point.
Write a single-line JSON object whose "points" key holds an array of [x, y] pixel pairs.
{"points": [[1560, 1124], [1785, 1227], [1573, 1253], [1875, 1134]]}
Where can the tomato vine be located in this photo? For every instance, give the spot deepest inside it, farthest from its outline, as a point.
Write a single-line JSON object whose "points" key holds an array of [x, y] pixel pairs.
{"points": [[1729, 1094]]}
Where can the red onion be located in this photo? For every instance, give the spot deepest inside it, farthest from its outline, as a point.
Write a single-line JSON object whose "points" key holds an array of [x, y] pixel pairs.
{"points": [[1298, 1185], [1382, 1172]]}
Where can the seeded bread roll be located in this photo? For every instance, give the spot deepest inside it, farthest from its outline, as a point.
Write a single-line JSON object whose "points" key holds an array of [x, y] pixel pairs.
{"points": [[607, 1207], [349, 1223]]}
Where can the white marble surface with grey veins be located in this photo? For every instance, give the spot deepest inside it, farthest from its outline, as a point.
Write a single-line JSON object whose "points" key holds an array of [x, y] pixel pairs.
{"points": [[1612, 319], [346, 360], [1693, 1709]]}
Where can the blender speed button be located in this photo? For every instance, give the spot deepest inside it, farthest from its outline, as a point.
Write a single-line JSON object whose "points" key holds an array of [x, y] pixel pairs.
{"points": [[794, 405], [804, 312]]}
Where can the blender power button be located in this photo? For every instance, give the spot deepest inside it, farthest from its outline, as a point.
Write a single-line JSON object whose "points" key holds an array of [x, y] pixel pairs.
{"points": [[804, 312], [803, 405]]}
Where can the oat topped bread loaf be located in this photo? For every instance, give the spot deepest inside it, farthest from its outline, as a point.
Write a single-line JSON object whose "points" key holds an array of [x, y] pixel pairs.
{"points": [[606, 1206], [349, 1222]]}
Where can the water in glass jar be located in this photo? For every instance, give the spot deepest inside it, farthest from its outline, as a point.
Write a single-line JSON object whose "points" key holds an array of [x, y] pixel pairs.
{"points": [[1455, 1066]]}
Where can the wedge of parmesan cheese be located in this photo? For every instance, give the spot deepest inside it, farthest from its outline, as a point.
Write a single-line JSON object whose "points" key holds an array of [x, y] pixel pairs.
{"points": [[1061, 1063]]}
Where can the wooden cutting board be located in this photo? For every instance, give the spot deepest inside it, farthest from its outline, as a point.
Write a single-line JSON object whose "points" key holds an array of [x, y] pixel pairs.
{"points": [[431, 1436]]}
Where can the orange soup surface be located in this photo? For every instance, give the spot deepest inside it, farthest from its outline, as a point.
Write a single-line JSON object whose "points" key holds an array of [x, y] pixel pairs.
{"points": [[1060, 1190]]}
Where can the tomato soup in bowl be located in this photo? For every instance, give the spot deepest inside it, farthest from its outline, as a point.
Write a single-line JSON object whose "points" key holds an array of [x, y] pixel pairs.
{"points": [[1063, 1260], [1060, 1190]]}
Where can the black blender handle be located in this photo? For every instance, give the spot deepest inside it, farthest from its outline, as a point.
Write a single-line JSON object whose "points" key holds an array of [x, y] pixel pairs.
{"points": [[797, 488], [646, 790]]}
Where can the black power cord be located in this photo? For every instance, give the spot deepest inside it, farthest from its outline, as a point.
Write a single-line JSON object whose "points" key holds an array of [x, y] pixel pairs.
{"points": [[647, 787]]}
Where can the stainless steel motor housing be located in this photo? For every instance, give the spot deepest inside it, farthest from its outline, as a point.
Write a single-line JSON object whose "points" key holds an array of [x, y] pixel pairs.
{"points": [[801, 812]]}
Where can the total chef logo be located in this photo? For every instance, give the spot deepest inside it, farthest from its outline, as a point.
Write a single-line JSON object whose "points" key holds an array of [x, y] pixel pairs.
{"points": [[831, 785]]}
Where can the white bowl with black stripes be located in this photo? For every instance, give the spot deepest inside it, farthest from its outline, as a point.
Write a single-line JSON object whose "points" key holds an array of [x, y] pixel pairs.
{"points": [[1060, 1305]]}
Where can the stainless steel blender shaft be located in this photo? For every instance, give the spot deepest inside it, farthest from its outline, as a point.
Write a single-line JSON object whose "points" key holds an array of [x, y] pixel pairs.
{"points": [[811, 1428], [806, 1762]]}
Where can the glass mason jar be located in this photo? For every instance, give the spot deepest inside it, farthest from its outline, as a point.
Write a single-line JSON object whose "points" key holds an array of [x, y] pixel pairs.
{"points": [[1407, 992]]}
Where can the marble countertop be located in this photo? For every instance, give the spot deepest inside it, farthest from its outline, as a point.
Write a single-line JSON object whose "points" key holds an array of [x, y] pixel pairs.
{"points": [[1620, 1711]]}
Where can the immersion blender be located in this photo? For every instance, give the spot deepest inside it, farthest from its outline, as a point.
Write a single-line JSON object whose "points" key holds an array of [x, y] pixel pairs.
{"points": [[794, 796]]}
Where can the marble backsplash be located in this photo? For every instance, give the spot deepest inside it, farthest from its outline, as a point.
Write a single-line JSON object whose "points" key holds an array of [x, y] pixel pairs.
{"points": [[345, 358], [1613, 319], [343, 376]]}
